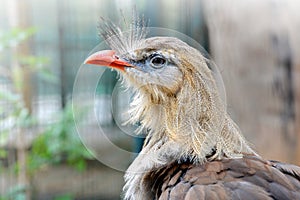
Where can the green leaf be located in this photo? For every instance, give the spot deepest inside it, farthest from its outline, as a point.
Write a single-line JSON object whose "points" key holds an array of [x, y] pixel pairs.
{"points": [[9, 96], [3, 153], [46, 75], [14, 37], [35, 63], [79, 164], [64, 197], [17, 78], [59, 143], [38, 65], [3, 137], [15, 193]]}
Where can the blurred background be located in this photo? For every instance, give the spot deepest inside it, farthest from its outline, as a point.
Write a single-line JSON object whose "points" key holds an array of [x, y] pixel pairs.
{"points": [[254, 43]]}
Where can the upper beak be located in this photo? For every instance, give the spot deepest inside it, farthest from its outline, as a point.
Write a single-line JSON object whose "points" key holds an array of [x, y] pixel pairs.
{"points": [[107, 58]]}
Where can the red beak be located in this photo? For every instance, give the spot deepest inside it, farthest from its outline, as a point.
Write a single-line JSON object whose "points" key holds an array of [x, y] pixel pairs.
{"points": [[107, 58]]}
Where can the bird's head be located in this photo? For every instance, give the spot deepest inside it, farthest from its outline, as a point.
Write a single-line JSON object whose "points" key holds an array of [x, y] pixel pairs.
{"points": [[177, 97], [158, 63]]}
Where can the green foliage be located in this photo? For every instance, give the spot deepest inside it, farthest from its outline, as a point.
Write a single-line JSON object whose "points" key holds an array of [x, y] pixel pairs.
{"points": [[14, 37], [15, 193], [64, 197], [15, 114], [59, 143], [14, 109], [3, 154], [37, 65]]}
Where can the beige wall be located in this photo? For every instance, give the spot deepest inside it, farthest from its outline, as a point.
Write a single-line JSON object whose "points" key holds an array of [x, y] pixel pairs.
{"points": [[253, 42]]}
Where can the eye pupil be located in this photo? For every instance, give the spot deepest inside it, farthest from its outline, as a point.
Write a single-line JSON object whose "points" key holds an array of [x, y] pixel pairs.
{"points": [[158, 61]]}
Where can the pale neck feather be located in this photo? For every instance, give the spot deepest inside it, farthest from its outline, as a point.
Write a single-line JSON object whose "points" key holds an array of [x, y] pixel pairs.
{"points": [[190, 126]]}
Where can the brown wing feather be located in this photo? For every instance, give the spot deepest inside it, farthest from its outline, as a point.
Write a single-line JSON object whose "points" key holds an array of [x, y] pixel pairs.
{"points": [[245, 178]]}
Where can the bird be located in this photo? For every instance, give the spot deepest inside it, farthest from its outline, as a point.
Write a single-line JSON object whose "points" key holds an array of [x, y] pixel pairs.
{"points": [[193, 149]]}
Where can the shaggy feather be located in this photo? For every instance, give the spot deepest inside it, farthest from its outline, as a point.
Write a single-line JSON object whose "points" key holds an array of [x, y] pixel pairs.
{"points": [[179, 104], [121, 41]]}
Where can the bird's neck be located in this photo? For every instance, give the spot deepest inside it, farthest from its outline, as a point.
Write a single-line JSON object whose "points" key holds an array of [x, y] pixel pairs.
{"points": [[188, 126], [190, 123]]}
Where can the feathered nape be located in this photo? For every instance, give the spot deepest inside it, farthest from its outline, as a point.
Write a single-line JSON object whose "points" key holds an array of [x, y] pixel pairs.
{"points": [[123, 42]]}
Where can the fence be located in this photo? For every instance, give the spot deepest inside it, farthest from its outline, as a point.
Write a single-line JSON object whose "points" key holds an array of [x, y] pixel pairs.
{"points": [[258, 58]]}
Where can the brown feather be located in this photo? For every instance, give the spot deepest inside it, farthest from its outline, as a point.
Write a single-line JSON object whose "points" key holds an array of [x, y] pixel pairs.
{"points": [[246, 178]]}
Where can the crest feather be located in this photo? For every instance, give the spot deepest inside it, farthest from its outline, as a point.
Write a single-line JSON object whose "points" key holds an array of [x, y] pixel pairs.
{"points": [[124, 41]]}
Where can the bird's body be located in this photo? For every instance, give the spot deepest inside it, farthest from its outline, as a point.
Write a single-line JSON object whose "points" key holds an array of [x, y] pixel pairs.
{"points": [[245, 178], [193, 149]]}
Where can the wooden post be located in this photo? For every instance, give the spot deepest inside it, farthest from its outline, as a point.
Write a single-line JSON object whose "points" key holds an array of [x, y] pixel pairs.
{"points": [[61, 31], [297, 91], [18, 18]]}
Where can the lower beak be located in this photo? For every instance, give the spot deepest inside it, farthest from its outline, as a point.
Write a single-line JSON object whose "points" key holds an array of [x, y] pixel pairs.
{"points": [[107, 58]]}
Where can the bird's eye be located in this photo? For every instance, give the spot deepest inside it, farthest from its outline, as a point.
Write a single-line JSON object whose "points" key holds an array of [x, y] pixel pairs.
{"points": [[158, 61]]}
